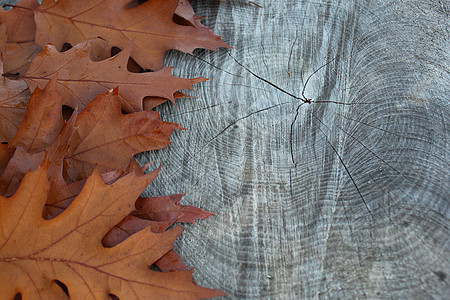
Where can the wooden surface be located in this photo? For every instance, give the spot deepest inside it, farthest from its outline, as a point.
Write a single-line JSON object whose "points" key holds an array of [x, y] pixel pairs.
{"points": [[344, 199], [318, 200]]}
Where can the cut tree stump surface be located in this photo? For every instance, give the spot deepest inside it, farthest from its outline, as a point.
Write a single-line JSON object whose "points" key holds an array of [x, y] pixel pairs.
{"points": [[344, 200], [345, 197]]}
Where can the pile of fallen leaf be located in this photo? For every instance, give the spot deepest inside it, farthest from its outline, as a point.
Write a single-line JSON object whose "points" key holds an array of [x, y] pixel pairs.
{"points": [[80, 81]]}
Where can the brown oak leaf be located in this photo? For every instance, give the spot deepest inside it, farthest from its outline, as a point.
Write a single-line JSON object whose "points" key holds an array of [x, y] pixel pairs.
{"points": [[81, 79], [42, 122], [62, 194], [40, 128], [168, 208], [35, 252], [14, 96], [99, 136], [107, 139], [5, 156], [151, 102], [20, 25], [170, 262], [18, 164], [129, 226], [149, 26], [18, 57], [159, 213], [20, 32], [185, 11]]}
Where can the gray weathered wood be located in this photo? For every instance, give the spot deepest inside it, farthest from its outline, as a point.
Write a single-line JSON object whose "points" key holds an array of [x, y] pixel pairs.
{"points": [[318, 200]]}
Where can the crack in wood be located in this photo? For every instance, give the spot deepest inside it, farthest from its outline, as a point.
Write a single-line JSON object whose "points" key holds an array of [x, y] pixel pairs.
{"points": [[344, 165]]}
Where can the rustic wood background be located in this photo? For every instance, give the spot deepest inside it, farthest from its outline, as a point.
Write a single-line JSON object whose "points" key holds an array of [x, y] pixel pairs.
{"points": [[320, 200], [346, 197]]}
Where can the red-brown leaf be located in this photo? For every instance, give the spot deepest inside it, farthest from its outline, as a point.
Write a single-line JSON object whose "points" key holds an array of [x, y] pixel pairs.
{"points": [[184, 10], [171, 262], [20, 163], [129, 226], [42, 122], [14, 96], [149, 26], [5, 156], [108, 139], [20, 25], [168, 208], [20, 32], [81, 79]]}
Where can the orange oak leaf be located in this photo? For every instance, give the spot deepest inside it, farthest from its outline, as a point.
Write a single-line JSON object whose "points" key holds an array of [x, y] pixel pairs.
{"points": [[35, 252], [20, 31], [148, 25], [81, 79], [14, 96], [61, 195], [107, 139]]}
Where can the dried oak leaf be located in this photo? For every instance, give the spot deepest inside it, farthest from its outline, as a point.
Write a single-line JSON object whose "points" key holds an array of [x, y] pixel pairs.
{"points": [[81, 79], [18, 57], [35, 252], [20, 25], [20, 163], [170, 262], [36, 138], [185, 11], [100, 135], [61, 194], [168, 208], [159, 213], [5, 156], [14, 96], [107, 139], [149, 26], [20, 31], [42, 122], [41, 126]]}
